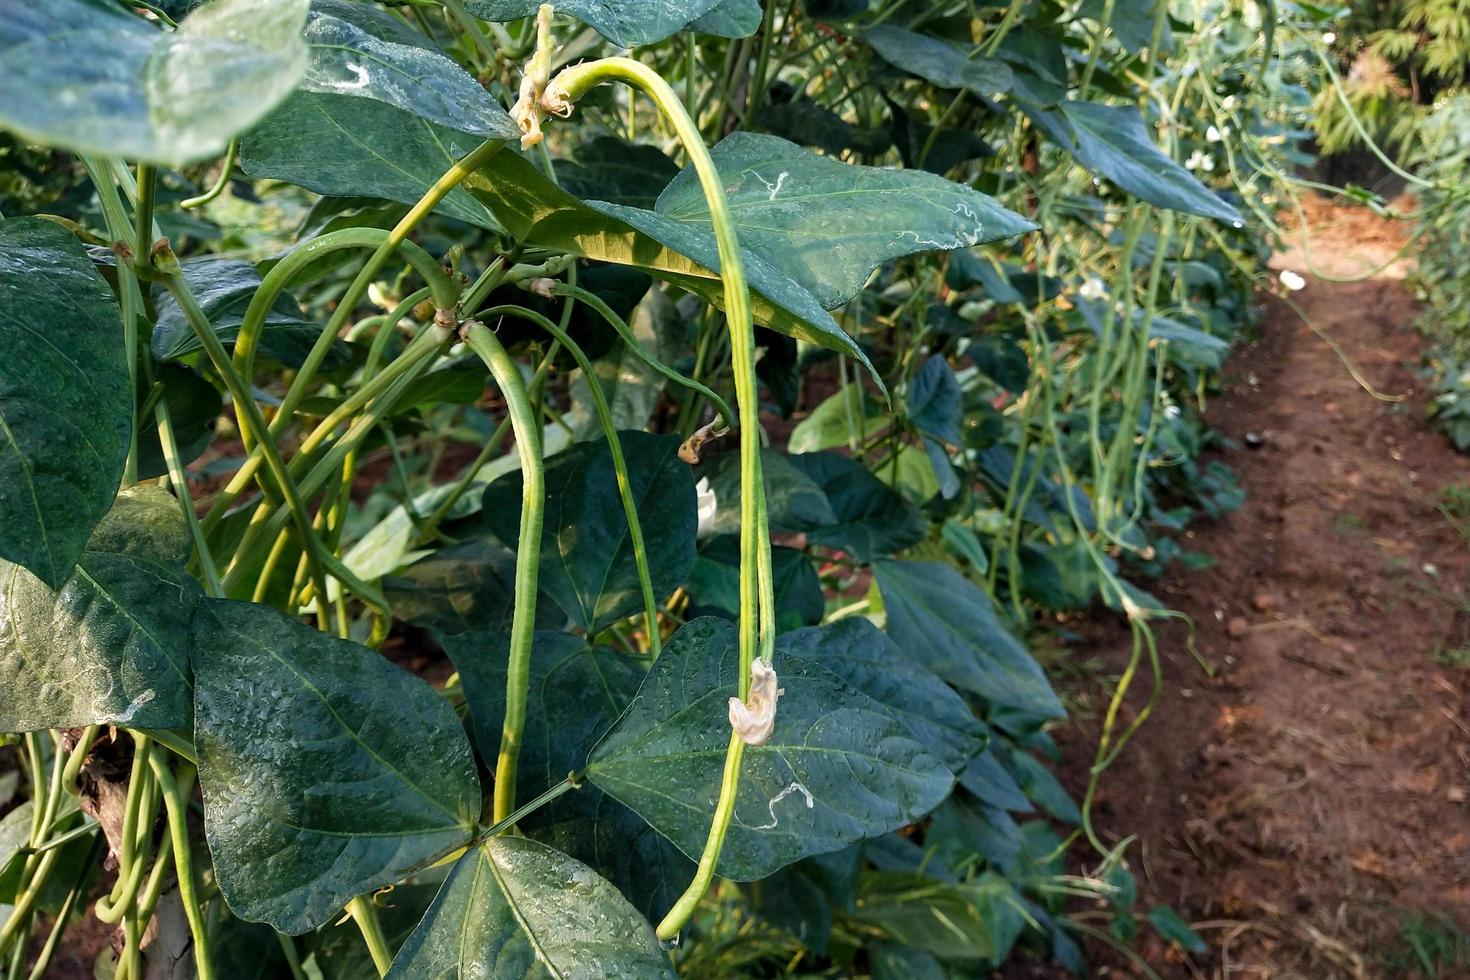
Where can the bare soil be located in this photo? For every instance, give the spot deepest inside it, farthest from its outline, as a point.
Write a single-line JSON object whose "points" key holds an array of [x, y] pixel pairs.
{"points": [[1305, 806]]}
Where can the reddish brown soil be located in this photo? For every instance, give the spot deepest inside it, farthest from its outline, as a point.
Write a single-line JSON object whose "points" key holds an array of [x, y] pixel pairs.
{"points": [[1302, 805]]}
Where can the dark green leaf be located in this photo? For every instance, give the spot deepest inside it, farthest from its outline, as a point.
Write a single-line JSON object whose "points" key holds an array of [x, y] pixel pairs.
{"points": [[839, 767], [730, 18], [348, 147], [65, 404], [587, 561], [608, 169], [794, 502], [950, 625], [361, 52], [467, 586], [1113, 142], [935, 403], [714, 584], [457, 382], [515, 908], [193, 407], [1043, 787], [871, 520], [1132, 23], [576, 694], [938, 61], [859, 653], [99, 80], [992, 784], [111, 646], [224, 288], [626, 23], [327, 771]]}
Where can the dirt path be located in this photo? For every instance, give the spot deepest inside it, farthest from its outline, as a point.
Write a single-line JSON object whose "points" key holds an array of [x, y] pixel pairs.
{"points": [[1307, 805]]}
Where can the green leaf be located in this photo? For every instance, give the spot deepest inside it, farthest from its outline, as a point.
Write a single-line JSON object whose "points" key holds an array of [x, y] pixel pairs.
{"points": [[99, 80], [342, 146], [326, 771], [224, 288], [840, 767], [1113, 142], [626, 23], [65, 404], [1174, 929], [587, 563], [111, 646], [341, 954], [193, 408], [938, 61], [730, 18], [1131, 23], [849, 413], [980, 919], [935, 403], [515, 908], [793, 500], [859, 653], [992, 784], [609, 169], [950, 625], [577, 693], [831, 223], [361, 52], [871, 519], [714, 585], [467, 586], [631, 387]]}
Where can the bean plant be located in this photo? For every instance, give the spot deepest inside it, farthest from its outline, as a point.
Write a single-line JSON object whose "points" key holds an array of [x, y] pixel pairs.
{"points": [[568, 491]]}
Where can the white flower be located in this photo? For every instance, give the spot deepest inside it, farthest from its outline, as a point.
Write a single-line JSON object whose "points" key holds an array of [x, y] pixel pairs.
{"points": [[1329, 38], [1213, 135], [1092, 289], [1292, 281], [1200, 160], [1171, 411], [706, 505], [1228, 103]]}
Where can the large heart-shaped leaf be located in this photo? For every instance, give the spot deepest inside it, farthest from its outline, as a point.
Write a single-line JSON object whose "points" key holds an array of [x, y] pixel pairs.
{"points": [[342, 146], [467, 586], [871, 519], [626, 23], [1113, 142], [326, 770], [840, 767], [858, 652], [513, 907], [360, 51], [99, 80], [577, 693], [949, 625], [939, 62], [65, 404], [111, 646], [224, 288], [587, 563]]}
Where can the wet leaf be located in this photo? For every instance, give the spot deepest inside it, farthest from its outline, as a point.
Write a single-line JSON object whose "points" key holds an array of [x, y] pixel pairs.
{"points": [[839, 767], [359, 51], [626, 23], [111, 646], [99, 80], [65, 404], [513, 907], [326, 771]]}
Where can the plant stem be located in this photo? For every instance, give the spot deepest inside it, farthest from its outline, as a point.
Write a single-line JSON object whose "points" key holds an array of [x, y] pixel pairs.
{"points": [[365, 914], [220, 183], [528, 556]]}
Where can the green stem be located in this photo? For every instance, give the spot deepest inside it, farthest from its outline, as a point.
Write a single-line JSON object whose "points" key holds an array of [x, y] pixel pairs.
{"points": [[221, 182], [365, 914], [179, 477], [528, 556], [756, 627]]}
